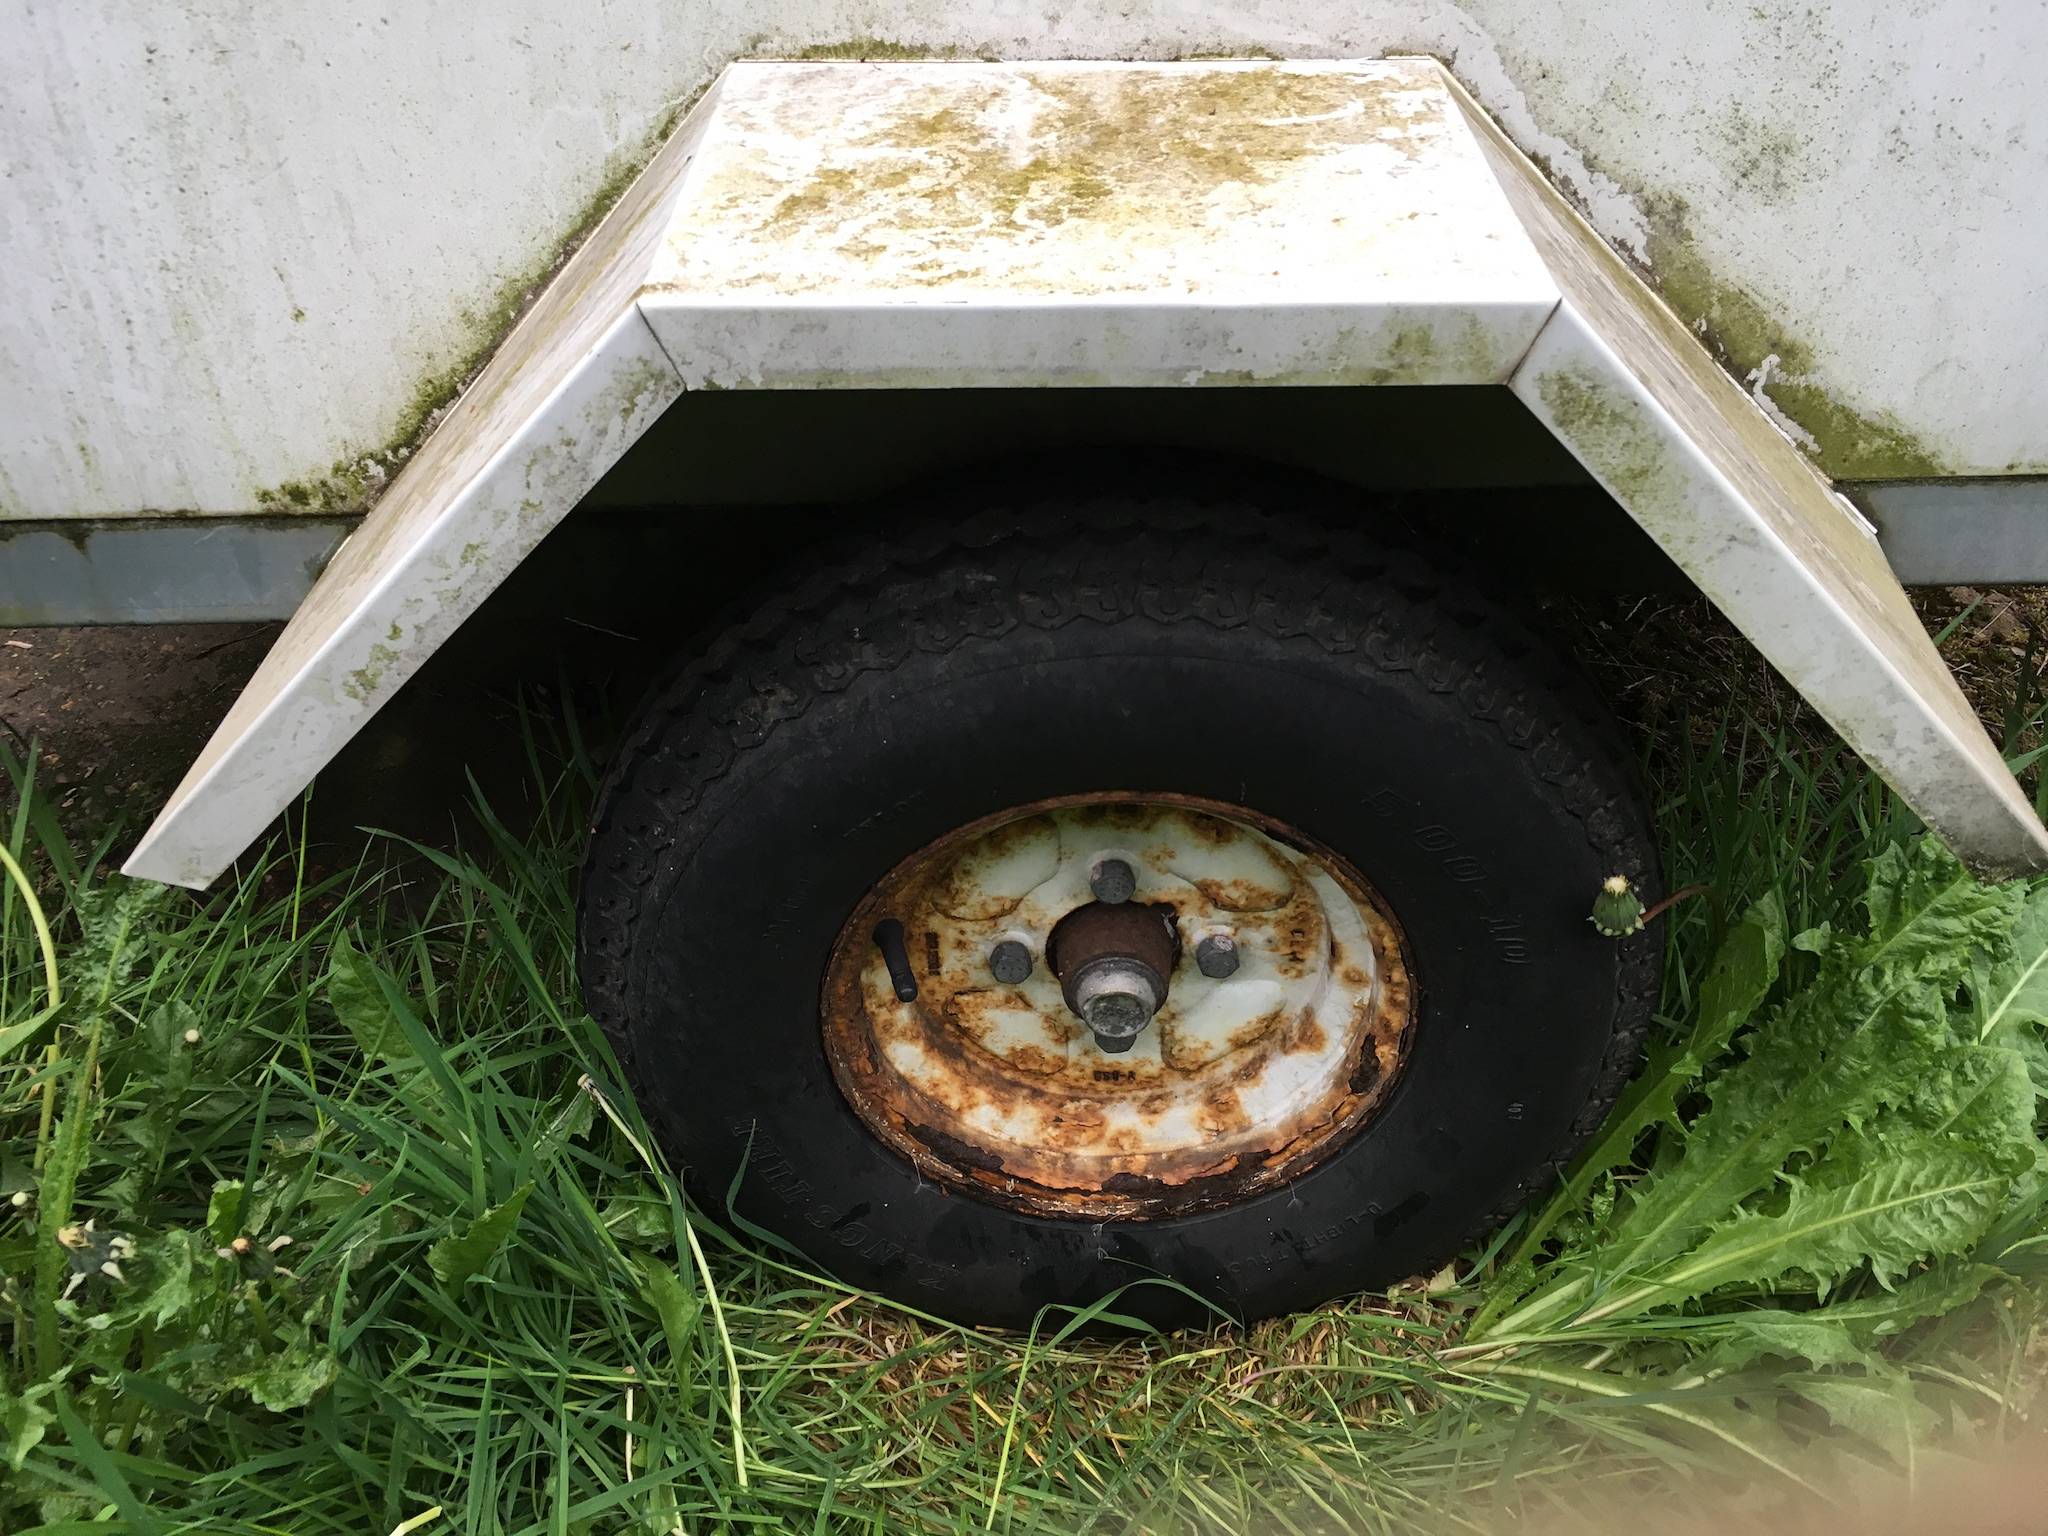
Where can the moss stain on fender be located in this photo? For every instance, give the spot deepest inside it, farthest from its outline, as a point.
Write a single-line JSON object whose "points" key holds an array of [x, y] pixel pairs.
{"points": [[1608, 429]]}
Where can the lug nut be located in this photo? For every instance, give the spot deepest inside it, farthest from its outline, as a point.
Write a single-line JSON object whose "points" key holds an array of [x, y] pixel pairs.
{"points": [[1216, 956], [1112, 882], [1009, 962]]}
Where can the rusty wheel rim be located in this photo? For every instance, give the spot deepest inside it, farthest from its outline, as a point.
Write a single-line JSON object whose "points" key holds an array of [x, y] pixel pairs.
{"points": [[1242, 1081]]}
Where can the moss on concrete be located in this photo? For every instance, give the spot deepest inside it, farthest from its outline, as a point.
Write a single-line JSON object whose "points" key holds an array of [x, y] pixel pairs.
{"points": [[866, 50], [355, 480], [1847, 443]]}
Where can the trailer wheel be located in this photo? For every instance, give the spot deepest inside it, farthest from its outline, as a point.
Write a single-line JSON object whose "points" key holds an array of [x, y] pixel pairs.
{"points": [[1083, 896]]}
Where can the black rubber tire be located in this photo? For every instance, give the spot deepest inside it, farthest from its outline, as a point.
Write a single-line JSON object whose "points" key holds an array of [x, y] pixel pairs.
{"points": [[1334, 678]]}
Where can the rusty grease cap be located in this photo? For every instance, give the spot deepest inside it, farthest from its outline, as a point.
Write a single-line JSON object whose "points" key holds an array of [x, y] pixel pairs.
{"points": [[1113, 962]]}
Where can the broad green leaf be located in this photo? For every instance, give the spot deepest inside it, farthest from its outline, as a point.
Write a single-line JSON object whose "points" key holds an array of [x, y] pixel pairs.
{"points": [[639, 1219], [461, 1254], [678, 1305], [2031, 1046], [358, 999], [168, 1281], [1859, 1038], [1844, 1332], [69, 1146], [291, 1378], [23, 1421], [29, 1033], [224, 1212], [114, 925], [675, 1303], [1810, 1070], [1934, 1292], [1869, 1034], [1933, 1200], [162, 1085], [1878, 1405], [1744, 970], [1923, 1181], [1976, 1096], [571, 1122], [2012, 996], [163, 1034], [1815, 941], [1744, 1338], [370, 1236], [1927, 913]]}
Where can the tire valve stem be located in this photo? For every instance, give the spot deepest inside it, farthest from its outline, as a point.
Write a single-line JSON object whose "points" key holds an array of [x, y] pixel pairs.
{"points": [[889, 940]]}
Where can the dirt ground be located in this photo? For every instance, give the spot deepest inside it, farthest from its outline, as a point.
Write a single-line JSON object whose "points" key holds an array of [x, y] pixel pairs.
{"points": [[117, 713], [1664, 654]]}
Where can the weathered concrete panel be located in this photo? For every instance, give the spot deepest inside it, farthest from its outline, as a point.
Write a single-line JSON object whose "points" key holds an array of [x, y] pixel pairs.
{"points": [[244, 251]]}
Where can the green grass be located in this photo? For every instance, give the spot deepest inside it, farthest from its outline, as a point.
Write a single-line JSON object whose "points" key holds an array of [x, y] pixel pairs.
{"points": [[496, 1311]]}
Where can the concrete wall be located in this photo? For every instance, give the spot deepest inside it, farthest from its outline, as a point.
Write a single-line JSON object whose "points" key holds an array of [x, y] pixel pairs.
{"points": [[246, 248]]}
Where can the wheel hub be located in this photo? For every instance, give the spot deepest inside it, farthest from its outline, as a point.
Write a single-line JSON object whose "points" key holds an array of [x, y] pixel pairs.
{"points": [[1120, 1006], [1115, 965]]}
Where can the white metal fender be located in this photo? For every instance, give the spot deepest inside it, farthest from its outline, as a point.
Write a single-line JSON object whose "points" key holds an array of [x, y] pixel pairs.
{"points": [[1082, 224]]}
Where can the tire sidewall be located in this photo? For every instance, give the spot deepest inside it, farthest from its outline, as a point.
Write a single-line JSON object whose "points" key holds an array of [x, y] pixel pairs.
{"points": [[1442, 778]]}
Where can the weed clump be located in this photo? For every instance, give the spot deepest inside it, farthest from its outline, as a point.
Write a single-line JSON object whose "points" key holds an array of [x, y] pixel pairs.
{"points": [[322, 1208]]}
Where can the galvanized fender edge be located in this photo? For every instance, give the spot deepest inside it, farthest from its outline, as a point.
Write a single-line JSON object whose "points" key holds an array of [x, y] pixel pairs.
{"points": [[575, 384], [1488, 276], [1627, 388]]}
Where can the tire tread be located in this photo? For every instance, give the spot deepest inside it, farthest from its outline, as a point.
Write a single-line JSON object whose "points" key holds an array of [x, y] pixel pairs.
{"points": [[1318, 578]]}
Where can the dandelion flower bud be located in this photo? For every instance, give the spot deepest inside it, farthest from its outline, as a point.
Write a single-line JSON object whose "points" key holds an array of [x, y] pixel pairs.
{"points": [[1617, 911]]}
